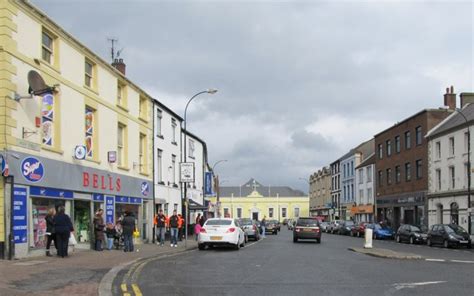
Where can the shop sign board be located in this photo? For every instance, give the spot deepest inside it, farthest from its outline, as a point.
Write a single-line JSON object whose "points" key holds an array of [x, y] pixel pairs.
{"points": [[98, 197], [51, 192], [208, 183], [19, 215], [187, 172], [145, 189], [109, 209], [32, 169]]}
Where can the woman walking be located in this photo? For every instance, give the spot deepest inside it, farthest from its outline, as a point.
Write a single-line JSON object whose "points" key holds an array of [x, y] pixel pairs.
{"points": [[128, 226], [99, 230], [50, 231], [63, 228]]}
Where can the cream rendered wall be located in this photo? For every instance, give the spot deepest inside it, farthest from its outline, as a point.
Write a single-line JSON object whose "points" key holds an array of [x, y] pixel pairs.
{"points": [[71, 63], [28, 33]]}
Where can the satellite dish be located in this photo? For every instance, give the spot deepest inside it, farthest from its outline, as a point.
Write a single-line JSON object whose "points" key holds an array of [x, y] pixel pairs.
{"points": [[37, 84]]}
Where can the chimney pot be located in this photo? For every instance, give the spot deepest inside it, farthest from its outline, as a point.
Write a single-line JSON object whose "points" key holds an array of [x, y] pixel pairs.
{"points": [[450, 98], [119, 65]]}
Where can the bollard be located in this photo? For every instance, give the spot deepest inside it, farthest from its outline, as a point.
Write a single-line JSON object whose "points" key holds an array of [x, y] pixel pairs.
{"points": [[368, 238]]}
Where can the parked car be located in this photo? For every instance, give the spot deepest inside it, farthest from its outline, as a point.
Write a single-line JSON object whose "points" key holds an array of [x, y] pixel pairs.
{"points": [[307, 228], [359, 229], [285, 222], [345, 227], [449, 235], [323, 226], [276, 223], [221, 232], [334, 226], [250, 228], [380, 232], [271, 227], [412, 234]]}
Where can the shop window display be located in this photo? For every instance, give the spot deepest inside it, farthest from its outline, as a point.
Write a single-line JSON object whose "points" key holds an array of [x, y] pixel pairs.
{"points": [[40, 208], [82, 220]]}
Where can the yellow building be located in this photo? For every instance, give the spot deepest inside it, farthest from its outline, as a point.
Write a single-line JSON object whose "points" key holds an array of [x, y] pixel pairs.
{"points": [[254, 200], [85, 143]]}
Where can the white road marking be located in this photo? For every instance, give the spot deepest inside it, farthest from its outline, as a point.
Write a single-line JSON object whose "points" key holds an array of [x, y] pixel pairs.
{"points": [[400, 286], [435, 260], [462, 261]]}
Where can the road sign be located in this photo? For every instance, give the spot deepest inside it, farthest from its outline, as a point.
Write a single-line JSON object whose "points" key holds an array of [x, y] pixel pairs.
{"points": [[187, 172]]}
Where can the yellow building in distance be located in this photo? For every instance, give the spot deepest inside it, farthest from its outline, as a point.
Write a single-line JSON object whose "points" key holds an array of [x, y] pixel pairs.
{"points": [[254, 200]]}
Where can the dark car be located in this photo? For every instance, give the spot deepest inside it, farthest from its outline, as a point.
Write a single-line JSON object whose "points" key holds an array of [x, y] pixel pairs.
{"points": [[359, 229], [250, 228], [412, 234], [448, 235], [271, 227], [345, 227], [307, 228]]}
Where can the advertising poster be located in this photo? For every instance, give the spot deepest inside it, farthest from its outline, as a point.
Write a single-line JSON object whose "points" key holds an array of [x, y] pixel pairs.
{"points": [[20, 218], [208, 184], [109, 209]]}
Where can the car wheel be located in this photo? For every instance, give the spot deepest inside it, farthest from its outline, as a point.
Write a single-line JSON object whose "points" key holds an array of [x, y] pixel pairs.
{"points": [[295, 239], [352, 234], [412, 241], [469, 246], [201, 247], [446, 243], [428, 242], [397, 239], [374, 236], [318, 240]]}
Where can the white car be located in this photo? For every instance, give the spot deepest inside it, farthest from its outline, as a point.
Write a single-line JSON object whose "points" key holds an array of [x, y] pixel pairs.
{"points": [[221, 232]]}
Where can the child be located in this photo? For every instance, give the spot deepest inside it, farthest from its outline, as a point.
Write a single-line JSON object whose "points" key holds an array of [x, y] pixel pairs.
{"points": [[110, 232], [197, 230]]}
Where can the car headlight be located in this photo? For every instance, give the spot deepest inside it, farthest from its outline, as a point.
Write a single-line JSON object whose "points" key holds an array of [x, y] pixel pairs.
{"points": [[452, 237], [417, 234]]}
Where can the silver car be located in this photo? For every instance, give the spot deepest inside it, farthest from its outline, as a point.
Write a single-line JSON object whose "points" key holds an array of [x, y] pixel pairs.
{"points": [[250, 228], [334, 226]]}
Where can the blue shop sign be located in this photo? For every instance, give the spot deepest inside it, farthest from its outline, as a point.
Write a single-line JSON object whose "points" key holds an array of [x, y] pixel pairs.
{"points": [[51, 192], [98, 197], [145, 188], [32, 169], [122, 199], [20, 218], [208, 184], [135, 200], [109, 209]]}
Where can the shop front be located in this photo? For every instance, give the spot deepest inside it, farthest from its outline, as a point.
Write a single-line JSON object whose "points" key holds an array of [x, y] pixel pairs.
{"points": [[363, 213], [409, 208], [42, 184]]}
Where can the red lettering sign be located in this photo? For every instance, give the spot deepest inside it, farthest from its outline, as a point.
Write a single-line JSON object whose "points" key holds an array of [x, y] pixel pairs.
{"points": [[85, 179], [118, 184], [101, 182], [95, 181]]}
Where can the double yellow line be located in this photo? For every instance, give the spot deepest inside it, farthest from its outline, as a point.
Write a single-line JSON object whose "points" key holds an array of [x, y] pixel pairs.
{"points": [[135, 289]]}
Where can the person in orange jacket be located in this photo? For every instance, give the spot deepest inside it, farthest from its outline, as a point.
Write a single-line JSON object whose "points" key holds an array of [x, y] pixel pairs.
{"points": [[180, 227]]}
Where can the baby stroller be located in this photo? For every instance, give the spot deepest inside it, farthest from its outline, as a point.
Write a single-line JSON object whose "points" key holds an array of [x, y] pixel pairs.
{"points": [[118, 239]]}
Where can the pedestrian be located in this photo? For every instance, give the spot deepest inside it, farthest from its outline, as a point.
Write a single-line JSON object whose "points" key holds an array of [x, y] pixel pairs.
{"points": [[63, 228], [202, 221], [197, 230], [174, 220], [262, 225], [111, 233], [128, 227], [99, 230], [161, 227], [198, 218], [180, 227], [50, 231]]}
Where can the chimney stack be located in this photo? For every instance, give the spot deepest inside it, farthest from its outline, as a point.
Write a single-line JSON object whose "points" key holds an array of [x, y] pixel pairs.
{"points": [[467, 98], [119, 65], [450, 98]]}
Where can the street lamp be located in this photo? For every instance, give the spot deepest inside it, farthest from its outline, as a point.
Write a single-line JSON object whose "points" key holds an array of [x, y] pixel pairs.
{"points": [[468, 171], [216, 181], [184, 191]]}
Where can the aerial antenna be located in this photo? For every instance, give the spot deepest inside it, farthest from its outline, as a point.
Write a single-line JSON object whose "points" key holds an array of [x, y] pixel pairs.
{"points": [[113, 41]]}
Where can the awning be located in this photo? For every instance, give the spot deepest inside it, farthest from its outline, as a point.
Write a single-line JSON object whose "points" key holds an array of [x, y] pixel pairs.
{"points": [[194, 206]]}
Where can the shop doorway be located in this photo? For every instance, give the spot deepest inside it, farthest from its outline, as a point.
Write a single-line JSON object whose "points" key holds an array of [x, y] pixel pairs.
{"points": [[40, 207], [82, 221], [409, 217], [255, 216]]}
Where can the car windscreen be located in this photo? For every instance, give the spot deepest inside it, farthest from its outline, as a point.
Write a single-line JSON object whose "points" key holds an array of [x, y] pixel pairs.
{"points": [[307, 222], [245, 222], [415, 229], [219, 222], [456, 229]]}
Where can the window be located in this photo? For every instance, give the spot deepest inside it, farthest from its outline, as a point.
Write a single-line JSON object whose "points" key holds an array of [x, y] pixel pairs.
{"points": [[89, 120], [191, 148], [380, 151], [438, 179], [226, 213], [297, 212], [352, 191], [142, 153], [283, 212], [173, 169], [397, 144], [389, 176], [159, 154], [239, 213], [407, 140], [438, 150], [344, 170], [418, 136], [352, 168], [369, 174], [369, 195], [120, 145], [88, 76], [48, 119], [119, 95], [47, 47], [397, 174], [143, 108], [380, 179], [419, 169], [452, 177], [466, 142], [361, 195], [407, 171], [270, 212], [451, 146], [388, 145], [175, 207], [173, 131], [361, 176], [159, 117]]}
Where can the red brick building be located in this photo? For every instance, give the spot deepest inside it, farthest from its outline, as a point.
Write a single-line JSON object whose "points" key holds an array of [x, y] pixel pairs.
{"points": [[401, 166]]}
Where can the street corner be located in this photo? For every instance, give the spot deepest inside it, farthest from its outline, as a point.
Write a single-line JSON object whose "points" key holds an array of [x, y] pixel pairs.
{"points": [[385, 253]]}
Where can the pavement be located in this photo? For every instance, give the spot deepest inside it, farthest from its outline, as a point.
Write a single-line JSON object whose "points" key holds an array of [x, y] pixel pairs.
{"points": [[386, 253], [79, 274], [277, 266]]}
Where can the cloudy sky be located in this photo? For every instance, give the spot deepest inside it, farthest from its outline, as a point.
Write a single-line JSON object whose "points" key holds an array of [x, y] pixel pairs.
{"points": [[300, 82]]}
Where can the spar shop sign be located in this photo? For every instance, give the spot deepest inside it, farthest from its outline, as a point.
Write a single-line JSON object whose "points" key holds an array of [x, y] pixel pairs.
{"points": [[32, 169]]}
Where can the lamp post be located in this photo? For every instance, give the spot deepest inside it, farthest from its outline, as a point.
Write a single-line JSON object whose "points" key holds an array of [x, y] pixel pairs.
{"points": [[216, 181], [469, 209], [184, 198]]}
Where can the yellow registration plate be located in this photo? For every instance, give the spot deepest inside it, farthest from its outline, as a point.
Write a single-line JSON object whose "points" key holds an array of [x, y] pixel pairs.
{"points": [[308, 230], [216, 238]]}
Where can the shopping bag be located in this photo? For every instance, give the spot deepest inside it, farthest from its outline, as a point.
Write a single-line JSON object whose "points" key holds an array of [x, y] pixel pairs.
{"points": [[136, 233], [72, 240]]}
